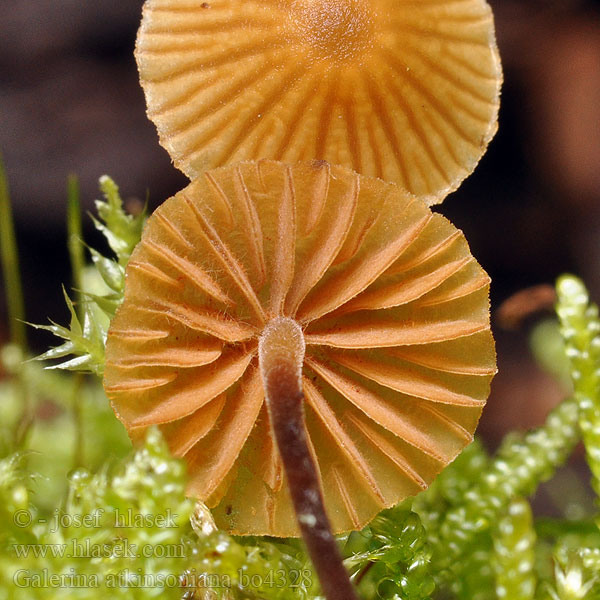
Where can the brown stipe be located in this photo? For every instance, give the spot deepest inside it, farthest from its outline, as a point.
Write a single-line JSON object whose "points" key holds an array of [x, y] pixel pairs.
{"points": [[281, 355]]}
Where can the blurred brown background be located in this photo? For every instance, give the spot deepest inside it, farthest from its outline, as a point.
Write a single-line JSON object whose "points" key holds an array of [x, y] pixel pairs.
{"points": [[70, 102]]}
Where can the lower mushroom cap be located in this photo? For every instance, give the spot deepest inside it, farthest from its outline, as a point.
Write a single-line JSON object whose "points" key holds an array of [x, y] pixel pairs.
{"points": [[404, 90], [395, 318]]}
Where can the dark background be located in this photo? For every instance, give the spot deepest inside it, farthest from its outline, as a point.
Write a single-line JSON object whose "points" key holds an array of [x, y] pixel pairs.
{"points": [[70, 102]]}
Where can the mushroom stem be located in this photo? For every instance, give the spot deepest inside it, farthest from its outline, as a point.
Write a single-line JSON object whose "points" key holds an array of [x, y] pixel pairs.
{"points": [[281, 354]]}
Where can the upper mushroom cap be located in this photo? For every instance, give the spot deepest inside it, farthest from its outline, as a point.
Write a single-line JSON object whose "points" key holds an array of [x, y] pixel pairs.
{"points": [[404, 90], [395, 317]]}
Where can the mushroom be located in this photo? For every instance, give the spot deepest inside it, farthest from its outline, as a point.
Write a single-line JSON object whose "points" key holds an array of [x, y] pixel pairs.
{"points": [[404, 90], [267, 278]]}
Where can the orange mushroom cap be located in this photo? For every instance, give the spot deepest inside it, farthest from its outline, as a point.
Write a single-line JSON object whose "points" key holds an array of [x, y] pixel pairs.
{"points": [[394, 315], [404, 90]]}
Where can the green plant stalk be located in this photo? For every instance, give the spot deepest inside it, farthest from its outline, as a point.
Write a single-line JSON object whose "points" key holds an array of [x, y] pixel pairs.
{"points": [[75, 245], [580, 328], [514, 546], [85, 336], [521, 465], [14, 301], [10, 267]]}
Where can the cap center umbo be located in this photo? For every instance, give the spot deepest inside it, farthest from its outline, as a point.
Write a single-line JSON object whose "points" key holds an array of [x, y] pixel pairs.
{"points": [[335, 29]]}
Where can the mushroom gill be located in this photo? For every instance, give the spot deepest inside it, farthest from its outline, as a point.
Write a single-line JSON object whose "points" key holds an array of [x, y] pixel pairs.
{"points": [[392, 309], [404, 90]]}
